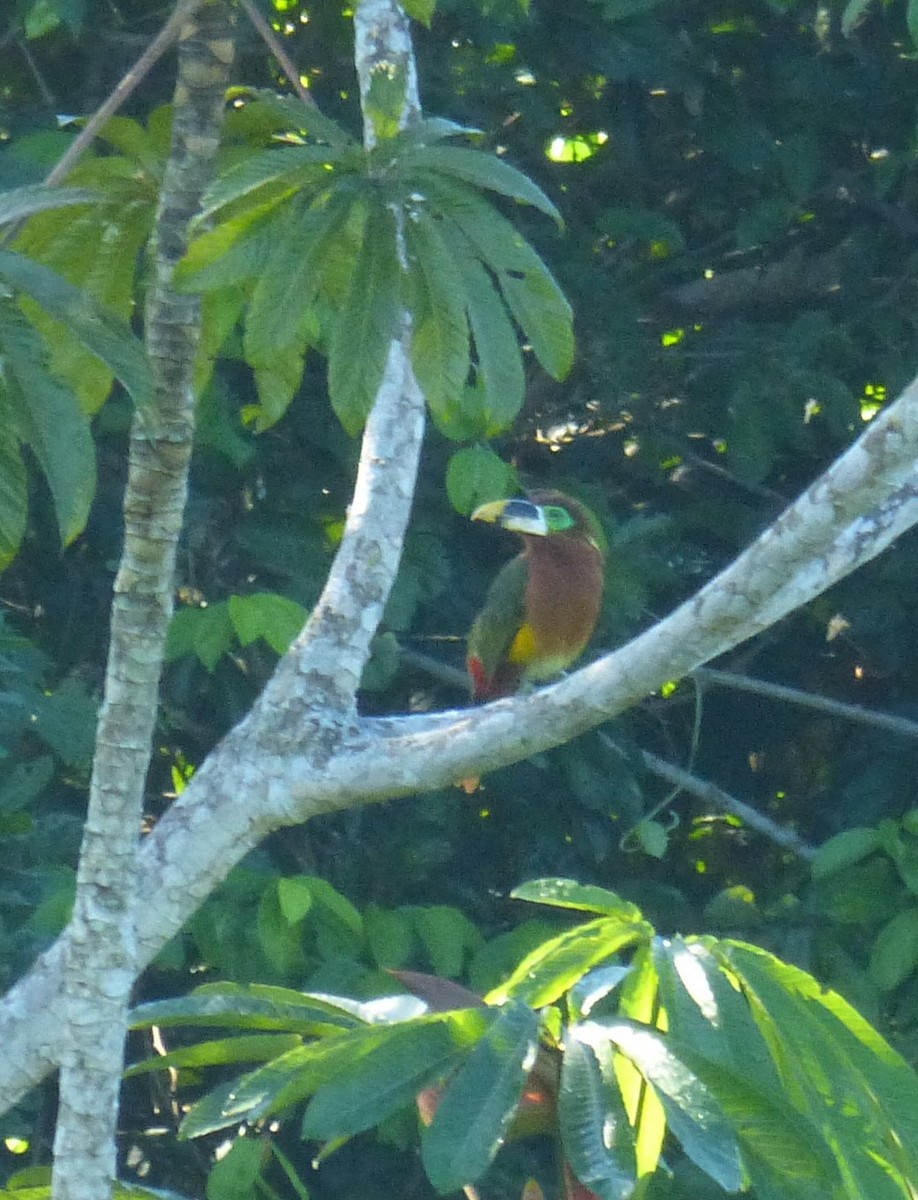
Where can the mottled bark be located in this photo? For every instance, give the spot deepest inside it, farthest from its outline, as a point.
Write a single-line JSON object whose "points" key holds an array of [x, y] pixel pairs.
{"points": [[100, 959]]}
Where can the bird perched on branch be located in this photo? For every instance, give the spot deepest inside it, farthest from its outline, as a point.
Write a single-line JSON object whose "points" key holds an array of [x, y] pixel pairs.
{"points": [[542, 607]]}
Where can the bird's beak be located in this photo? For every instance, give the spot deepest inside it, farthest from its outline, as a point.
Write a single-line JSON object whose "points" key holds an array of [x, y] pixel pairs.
{"points": [[518, 516]]}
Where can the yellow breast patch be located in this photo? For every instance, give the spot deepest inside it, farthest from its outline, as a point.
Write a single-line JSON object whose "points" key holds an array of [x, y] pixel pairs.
{"points": [[523, 647]]}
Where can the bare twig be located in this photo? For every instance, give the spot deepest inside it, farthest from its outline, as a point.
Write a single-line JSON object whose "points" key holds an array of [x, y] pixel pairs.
{"points": [[711, 794], [833, 708], [156, 49], [273, 42]]}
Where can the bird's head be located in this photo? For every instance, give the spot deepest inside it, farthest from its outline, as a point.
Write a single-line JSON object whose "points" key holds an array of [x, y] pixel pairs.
{"points": [[542, 515]]}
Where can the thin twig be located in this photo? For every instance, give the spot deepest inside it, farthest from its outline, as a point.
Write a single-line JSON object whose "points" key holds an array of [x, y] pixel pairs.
{"points": [[272, 41], [711, 794], [46, 93], [160, 44], [833, 708]]}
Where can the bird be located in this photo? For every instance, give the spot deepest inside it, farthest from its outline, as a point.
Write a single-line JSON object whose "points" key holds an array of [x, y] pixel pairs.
{"points": [[542, 607]]}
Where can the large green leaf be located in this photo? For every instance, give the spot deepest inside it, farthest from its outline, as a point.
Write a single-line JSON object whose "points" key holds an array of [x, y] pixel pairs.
{"points": [[478, 1104], [234, 251], [222, 1052], [638, 999], [692, 1112], [269, 176], [368, 322], [290, 278], [533, 296], [236, 1006], [440, 335], [14, 497], [482, 171], [47, 416], [103, 333], [23, 202], [552, 968], [499, 361], [567, 893], [385, 1074], [594, 1127]]}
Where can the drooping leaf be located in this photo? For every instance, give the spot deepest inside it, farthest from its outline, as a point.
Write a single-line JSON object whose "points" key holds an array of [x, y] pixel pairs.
{"points": [[386, 1073], [20, 203], [269, 176], [103, 333], [692, 1113], [14, 500], [475, 475], [223, 1052], [366, 325], [499, 362], [236, 1006], [266, 615], [639, 1001], [567, 893], [479, 1102], [553, 967], [440, 336], [482, 171], [594, 1127]]}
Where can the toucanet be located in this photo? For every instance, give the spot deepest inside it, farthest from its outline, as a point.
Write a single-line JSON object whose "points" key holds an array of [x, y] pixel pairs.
{"points": [[541, 609]]}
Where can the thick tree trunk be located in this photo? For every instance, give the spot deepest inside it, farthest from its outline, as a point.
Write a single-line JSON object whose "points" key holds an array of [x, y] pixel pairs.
{"points": [[100, 964]]}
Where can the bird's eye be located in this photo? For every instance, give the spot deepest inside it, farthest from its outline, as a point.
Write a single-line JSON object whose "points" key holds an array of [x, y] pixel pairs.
{"points": [[521, 510], [557, 519]]}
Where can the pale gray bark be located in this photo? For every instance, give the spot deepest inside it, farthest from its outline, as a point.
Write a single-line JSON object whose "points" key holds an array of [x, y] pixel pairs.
{"points": [[100, 949], [302, 752]]}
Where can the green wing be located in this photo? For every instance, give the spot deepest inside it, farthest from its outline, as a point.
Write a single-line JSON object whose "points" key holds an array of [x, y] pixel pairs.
{"points": [[499, 621]]}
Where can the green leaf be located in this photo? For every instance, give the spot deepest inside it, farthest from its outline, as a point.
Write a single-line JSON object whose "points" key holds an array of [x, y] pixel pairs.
{"points": [[237, 1006], [295, 897], [384, 104], [269, 176], [638, 999], [846, 848], [499, 361], [14, 500], [482, 171], [386, 1072], [206, 632], [20, 203], [692, 1113], [479, 1102], [290, 278], [448, 936], [234, 1176], [440, 337], [266, 615], [49, 419], [476, 475], [365, 327], [389, 935], [421, 10], [234, 251], [894, 954], [593, 1124], [248, 1048], [103, 333], [557, 964], [854, 13], [567, 893], [65, 720]]}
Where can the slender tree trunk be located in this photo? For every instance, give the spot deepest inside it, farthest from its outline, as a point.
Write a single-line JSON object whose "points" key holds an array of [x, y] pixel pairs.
{"points": [[101, 959]]}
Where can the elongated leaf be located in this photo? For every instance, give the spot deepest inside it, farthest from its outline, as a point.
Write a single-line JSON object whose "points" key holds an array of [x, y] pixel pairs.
{"points": [[365, 327], [440, 338], [276, 172], [250, 1048], [499, 361], [638, 999], [594, 1126], [483, 171], [19, 203], [48, 417], [14, 502], [567, 893], [386, 1074], [533, 296], [843, 850], [103, 333], [238, 1007], [234, 251], [290, 278], [692, 1113], [557, 964], [480, 1101]]}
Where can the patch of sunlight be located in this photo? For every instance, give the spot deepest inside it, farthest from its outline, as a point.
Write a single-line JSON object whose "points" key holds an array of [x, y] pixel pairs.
{"points": [[501, 53], [872, 401], [670, 464], [525, 78], [669, 688], [672, 337], [695, 982], [16, 1145], [576, 149]]}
